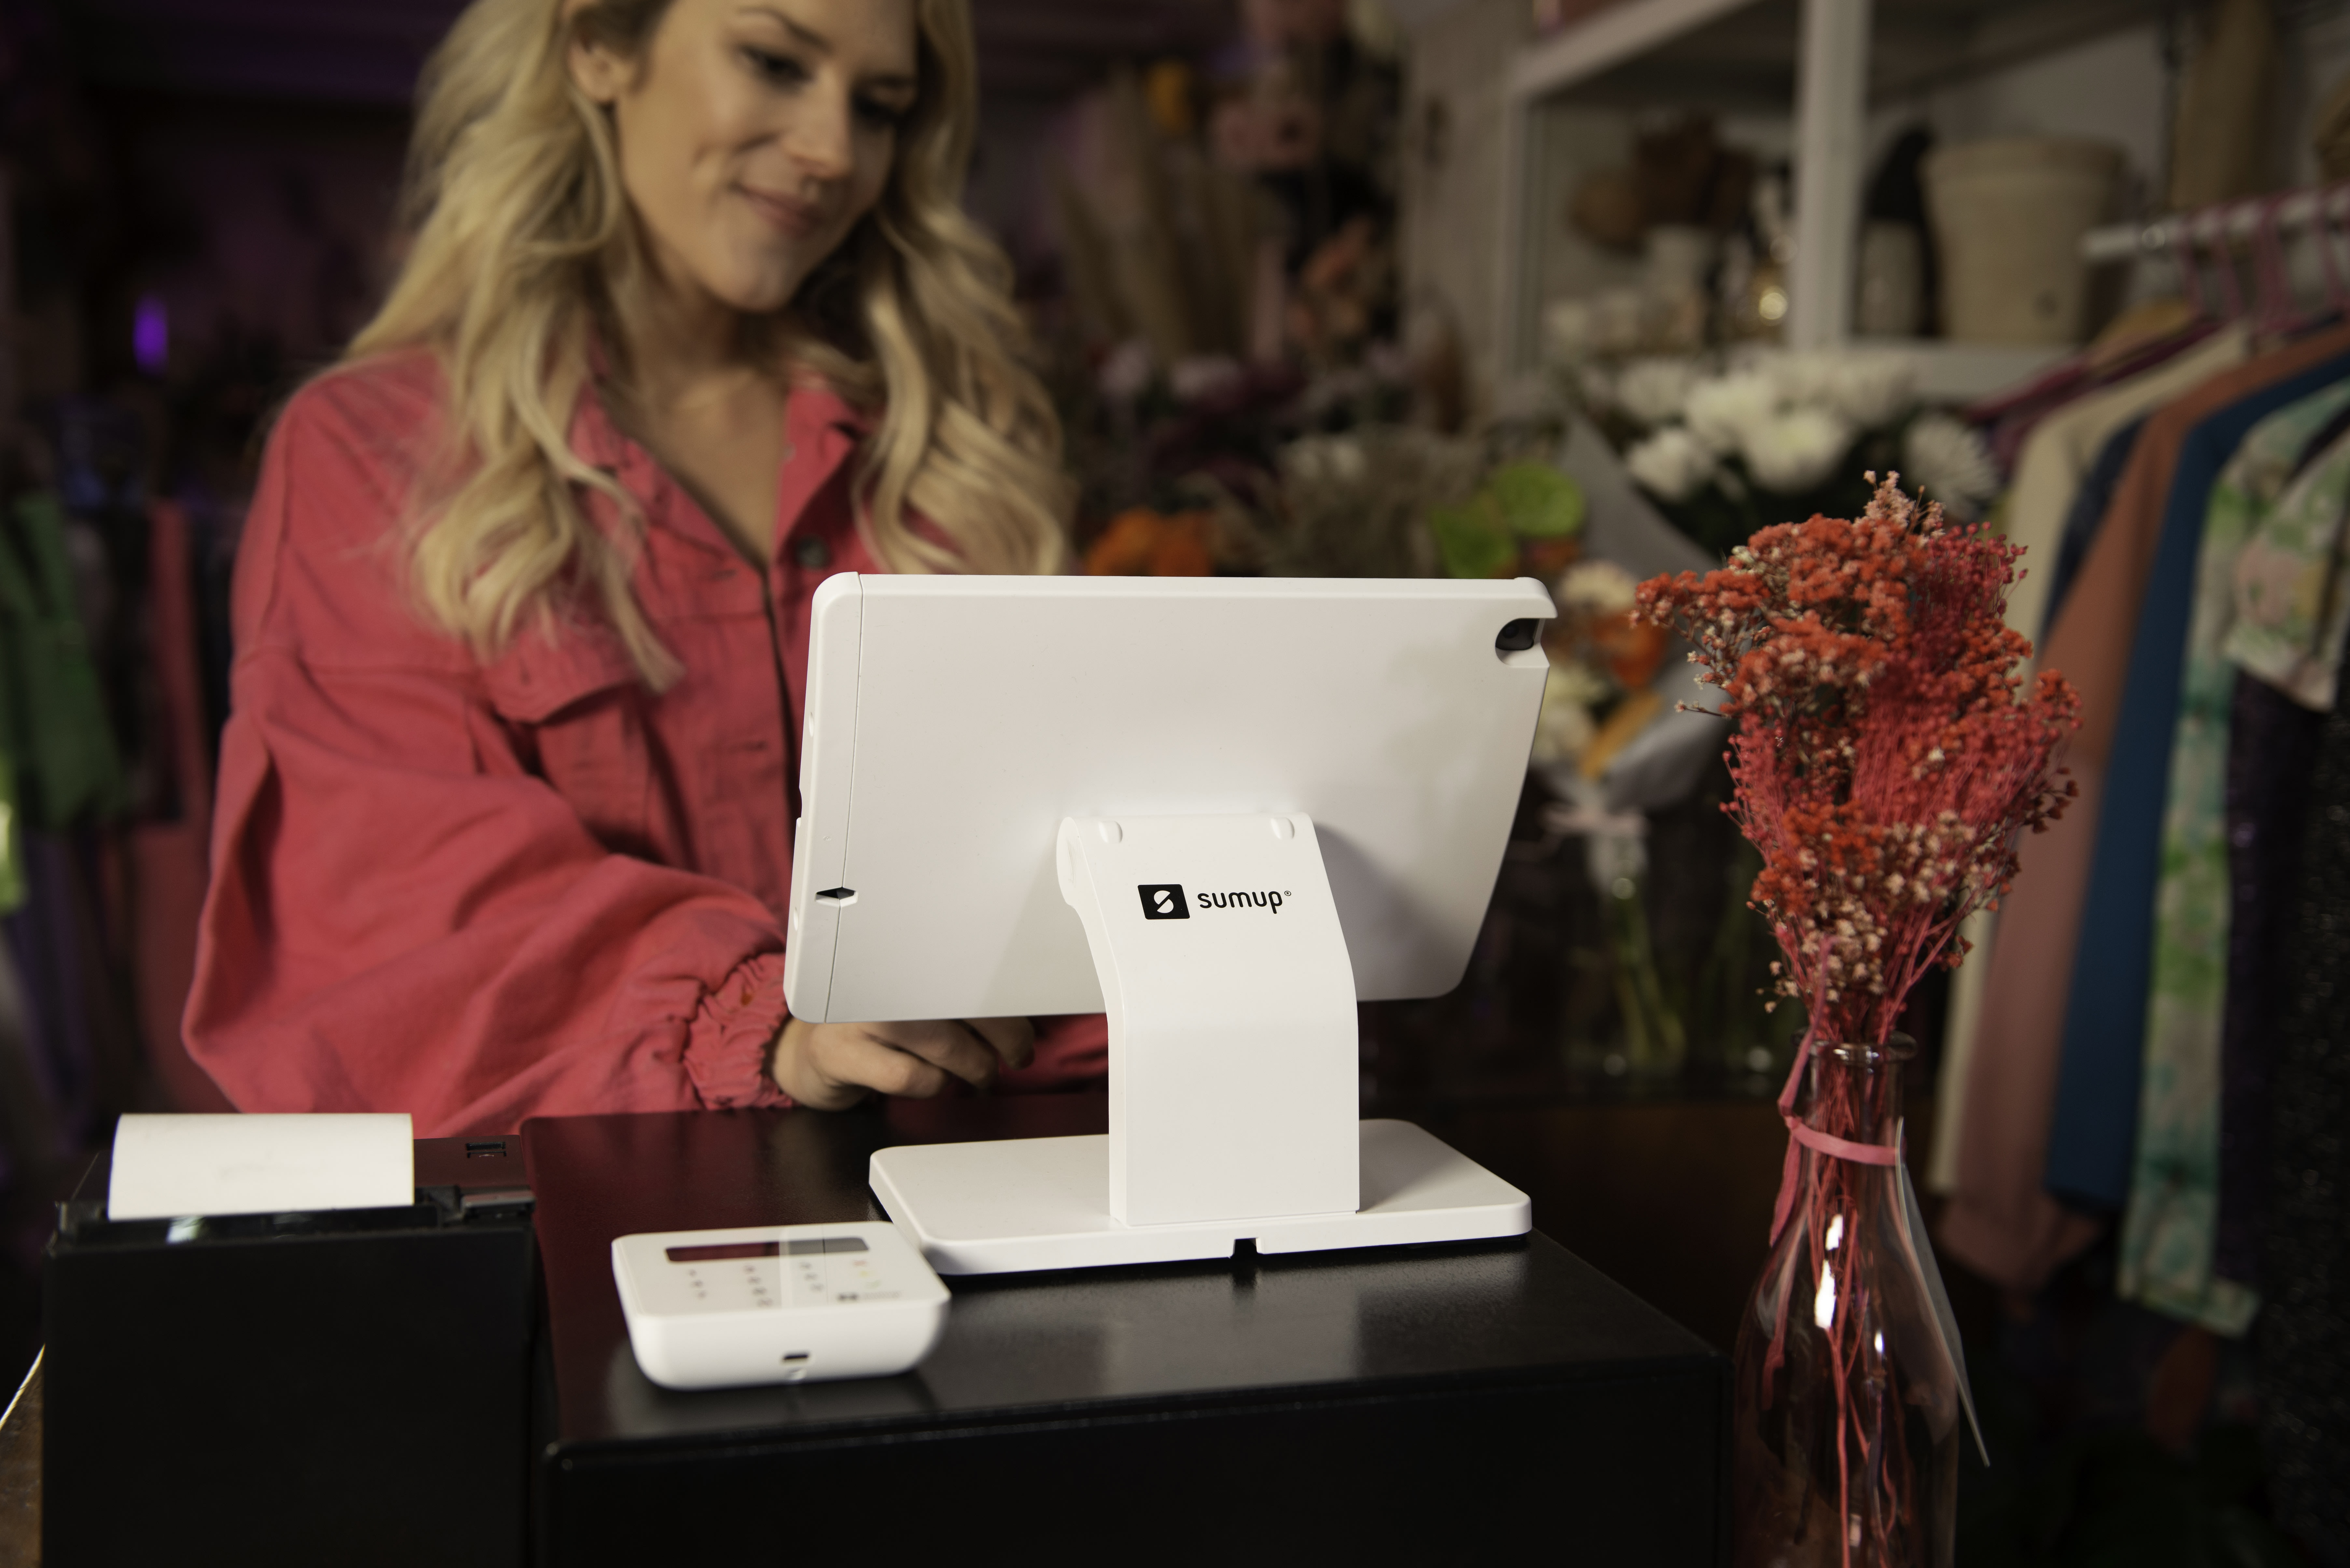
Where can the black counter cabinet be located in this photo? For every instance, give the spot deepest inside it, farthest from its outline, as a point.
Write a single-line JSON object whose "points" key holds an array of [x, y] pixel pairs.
{"points": [[1406, 1403]]}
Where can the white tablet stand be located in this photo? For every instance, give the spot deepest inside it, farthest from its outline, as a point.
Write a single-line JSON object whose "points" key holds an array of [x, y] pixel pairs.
{"points": [[1233, 1080]]}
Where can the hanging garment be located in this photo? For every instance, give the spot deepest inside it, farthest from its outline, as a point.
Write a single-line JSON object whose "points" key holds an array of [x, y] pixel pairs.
{"points": [[28, 1127], [12, 824], [2095, 493], [2090, 504], [1959, 1022], [2012, 421], [2322, 440], [2271, 747], [2068, 445], [2154, 324], [2293, 604], [60, 741], [52, 965], [2093, 1132], [116, 1066], [2170, 1226], [1999, 1221], [2070, 455], [214, 525], [2304, 1340], [168, 857]]}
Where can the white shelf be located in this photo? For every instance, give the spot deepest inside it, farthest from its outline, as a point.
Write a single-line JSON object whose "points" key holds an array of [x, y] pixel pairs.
{"points": [[1948, 373], [1831, 90], [1624, 31], [1962, 372], [1840, 66]]}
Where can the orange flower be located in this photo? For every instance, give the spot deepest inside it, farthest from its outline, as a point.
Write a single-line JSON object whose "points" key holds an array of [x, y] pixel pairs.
{"points": [[1633, 647], [1147, 544]]}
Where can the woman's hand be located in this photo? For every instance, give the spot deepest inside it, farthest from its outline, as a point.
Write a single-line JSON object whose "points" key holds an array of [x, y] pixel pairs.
{"points": [[831, 1066]]}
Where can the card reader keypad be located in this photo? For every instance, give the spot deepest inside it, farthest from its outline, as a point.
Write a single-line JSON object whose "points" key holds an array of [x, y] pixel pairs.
{"points": [[826, 1271], [836, 1269]]}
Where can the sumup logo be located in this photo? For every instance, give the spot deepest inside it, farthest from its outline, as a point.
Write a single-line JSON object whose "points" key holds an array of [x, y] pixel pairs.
{"points": [[1245, 900], [1165, 901]]}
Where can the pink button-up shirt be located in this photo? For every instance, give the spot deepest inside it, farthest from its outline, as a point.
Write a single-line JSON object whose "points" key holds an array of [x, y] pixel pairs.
{"points": [[477, 891]]}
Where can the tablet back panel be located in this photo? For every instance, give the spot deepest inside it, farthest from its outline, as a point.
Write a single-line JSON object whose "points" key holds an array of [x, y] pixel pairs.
{"points": [[953, 721]]}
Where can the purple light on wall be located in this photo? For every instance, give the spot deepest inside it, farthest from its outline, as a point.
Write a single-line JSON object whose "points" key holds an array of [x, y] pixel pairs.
{"points": [[151, 335]]}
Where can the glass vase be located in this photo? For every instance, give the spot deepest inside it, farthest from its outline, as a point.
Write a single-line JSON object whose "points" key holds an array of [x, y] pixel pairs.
{"points": [[1848, 1421]]}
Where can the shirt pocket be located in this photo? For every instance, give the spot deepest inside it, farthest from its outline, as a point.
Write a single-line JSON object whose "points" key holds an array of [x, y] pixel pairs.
{"points": [[581, 712]]}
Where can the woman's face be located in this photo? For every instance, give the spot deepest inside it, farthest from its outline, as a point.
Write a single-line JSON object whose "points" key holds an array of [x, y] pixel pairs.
{"points": [[753, 134]]}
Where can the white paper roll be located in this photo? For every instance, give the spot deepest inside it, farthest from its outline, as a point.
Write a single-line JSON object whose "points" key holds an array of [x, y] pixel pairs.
{"points": [[168, 1166]]}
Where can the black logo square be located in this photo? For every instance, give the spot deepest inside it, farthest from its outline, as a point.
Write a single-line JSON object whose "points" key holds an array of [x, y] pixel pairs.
{"points": [[1164, 901]]}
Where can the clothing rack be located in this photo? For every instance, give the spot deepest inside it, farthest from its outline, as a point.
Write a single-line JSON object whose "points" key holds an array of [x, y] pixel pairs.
{"points": [[2284, 212]]}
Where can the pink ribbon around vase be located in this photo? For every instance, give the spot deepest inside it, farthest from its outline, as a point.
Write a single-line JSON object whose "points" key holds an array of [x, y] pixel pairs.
{"points": [[1807, 1137], [1801, 1136]]}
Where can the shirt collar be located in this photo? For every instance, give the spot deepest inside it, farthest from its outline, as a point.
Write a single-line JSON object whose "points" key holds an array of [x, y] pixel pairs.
{"points": [[820, 428]]}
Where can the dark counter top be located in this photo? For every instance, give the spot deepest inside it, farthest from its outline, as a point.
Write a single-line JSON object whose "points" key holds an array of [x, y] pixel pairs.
{"points": [[1511, 1338]]}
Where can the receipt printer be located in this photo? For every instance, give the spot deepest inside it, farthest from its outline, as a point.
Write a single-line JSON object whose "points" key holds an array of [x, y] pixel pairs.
{"points": [[347, 1385]]}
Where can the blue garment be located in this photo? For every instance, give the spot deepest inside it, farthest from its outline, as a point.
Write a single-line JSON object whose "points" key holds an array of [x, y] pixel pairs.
{"points": [[2093, 1135], [2087, 515]]}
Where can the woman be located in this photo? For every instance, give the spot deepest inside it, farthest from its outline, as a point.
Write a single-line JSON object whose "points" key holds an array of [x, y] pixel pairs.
{"points": [[692, 320]]}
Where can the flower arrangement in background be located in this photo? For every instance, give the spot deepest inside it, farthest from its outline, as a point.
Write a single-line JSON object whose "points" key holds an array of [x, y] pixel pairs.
{"points": [[1524, 520], [1883, 761], [1946, 459], [1142, 543], [1604, 657], [1356, 504], [1726, 449]]}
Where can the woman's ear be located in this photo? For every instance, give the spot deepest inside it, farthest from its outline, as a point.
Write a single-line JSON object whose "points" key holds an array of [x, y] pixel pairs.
{"points": [[595, 68]]}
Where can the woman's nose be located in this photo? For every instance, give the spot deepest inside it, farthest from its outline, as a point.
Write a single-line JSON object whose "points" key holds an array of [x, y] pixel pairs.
{"points": [[822, 137]]}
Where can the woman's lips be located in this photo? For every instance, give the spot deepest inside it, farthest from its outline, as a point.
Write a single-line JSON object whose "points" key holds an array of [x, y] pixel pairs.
{"points": [[791, 217]]}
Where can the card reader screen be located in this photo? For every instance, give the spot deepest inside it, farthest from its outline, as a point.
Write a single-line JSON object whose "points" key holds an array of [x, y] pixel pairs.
{"points": [[725, 1250]]}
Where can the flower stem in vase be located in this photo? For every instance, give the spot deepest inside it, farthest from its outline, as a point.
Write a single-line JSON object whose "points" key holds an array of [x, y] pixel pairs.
{"points": [[1655, 1046], [1848, 1421]]}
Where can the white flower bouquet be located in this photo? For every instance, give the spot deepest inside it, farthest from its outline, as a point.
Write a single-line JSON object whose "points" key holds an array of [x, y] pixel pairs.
{"points": [[1726, 447]]}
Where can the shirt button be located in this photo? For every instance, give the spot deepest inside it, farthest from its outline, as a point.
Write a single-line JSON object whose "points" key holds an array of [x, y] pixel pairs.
{"points": [[811, 553]]}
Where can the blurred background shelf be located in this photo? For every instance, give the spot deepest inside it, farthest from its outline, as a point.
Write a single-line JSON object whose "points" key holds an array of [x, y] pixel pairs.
{"points": [[1743, 53], [1827, 65], [1502, 122], [1620, 36], [1951, 372]]}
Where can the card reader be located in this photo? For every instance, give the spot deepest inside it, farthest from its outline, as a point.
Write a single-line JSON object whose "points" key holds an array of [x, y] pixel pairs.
{"points": [[776, 1304]]}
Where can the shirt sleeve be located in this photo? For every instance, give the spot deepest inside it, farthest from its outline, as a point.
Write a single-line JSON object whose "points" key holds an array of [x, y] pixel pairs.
{"points": [[404, 916]]}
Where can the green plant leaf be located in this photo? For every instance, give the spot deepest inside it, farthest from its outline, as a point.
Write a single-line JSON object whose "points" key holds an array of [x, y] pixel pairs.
{"points": [[1472, 540], [1536, 500]]}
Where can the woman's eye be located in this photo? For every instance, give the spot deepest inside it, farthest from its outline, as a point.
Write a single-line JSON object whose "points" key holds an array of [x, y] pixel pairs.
{"points": [[781, 70], [881, 116]]}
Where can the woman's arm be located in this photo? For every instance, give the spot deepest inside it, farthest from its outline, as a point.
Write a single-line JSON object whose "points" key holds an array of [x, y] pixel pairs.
{"points": [[403, 916], [402, 919]]}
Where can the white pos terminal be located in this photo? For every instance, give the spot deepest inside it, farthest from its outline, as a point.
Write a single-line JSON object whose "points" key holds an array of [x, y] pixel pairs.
{"points": [[1223, 811]]}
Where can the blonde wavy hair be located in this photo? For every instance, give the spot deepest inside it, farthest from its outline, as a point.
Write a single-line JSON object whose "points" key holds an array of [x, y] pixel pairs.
{"points": [[521, 234]]}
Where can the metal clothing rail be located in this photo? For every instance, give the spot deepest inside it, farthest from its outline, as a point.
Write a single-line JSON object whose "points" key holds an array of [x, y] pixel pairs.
{"points": [[2287, 212]]}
